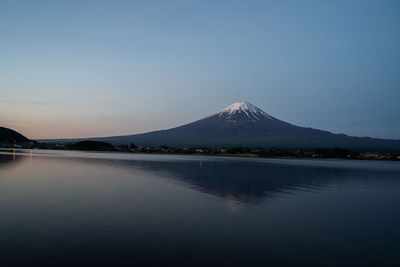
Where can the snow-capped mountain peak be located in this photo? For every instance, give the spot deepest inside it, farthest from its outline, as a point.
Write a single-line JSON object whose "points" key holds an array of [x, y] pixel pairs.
{"points": [[245, 110]]}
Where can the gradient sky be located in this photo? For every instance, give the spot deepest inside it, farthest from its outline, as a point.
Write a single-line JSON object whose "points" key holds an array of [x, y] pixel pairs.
{"points": [[100, 68]]}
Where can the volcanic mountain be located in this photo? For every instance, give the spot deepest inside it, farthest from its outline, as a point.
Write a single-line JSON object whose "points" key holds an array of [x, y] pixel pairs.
{"points": [[11, 136], [244, 125]]}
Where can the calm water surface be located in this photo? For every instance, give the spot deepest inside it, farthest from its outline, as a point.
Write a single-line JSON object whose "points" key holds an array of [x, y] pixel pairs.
{"points": [[92, 209]]}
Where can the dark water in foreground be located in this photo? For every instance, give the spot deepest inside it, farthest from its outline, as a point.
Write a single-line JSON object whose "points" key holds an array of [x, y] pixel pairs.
{"points": [[93, 209]]}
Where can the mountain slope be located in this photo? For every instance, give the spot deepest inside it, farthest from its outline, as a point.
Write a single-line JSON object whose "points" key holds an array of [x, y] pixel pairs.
{"points": [[11, 136], [243, 124]]}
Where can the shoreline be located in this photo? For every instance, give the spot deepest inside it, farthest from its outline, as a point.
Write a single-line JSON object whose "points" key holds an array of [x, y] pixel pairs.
{"points": [[230, 155]]}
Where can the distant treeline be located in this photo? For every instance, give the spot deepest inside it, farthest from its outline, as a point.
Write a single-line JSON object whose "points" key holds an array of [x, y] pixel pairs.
{"points": [[265, 152], [337, 153]]}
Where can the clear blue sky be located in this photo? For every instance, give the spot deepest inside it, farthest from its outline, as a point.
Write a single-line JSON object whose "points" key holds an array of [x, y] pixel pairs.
{"points": [[99, 68]]}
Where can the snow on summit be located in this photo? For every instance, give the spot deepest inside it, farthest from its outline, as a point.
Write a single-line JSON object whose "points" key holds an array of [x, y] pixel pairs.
{"points": [[252, 112]]}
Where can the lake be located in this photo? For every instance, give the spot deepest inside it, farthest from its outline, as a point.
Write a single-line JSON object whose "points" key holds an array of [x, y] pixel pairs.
{"points": [[66, 208]]}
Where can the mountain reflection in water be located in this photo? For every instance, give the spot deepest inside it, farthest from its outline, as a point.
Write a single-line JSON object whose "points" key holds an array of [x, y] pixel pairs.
{"points": [[66, 208], [249, 182], [245, 181]]}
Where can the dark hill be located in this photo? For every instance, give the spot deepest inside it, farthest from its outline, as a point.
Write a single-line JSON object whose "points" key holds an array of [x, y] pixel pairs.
{"points": [[11, 136]]}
